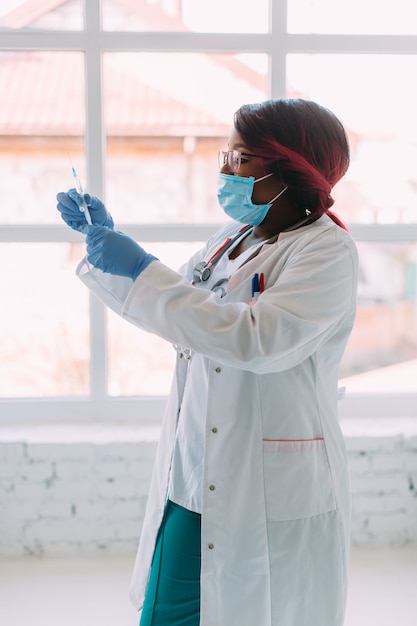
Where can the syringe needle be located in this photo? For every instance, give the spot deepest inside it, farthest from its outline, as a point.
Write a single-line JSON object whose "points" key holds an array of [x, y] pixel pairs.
{"points": [[83, 207]]}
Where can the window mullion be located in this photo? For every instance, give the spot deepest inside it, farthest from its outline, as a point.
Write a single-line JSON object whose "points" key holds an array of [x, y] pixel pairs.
{"points": [[94, 137], [99, 354], [277, 58], [95, 155]]}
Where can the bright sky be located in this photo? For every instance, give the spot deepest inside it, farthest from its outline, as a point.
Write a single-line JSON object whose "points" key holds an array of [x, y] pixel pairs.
{"points": [[355, 16], [315, 16], [9, 5]]}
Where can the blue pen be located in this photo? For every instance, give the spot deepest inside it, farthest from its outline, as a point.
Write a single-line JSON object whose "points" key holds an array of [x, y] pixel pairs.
{"points": [[255, 286]]}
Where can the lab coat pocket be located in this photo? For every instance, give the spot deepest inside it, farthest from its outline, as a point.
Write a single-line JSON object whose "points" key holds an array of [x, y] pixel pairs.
{"points": [[297, 479]]}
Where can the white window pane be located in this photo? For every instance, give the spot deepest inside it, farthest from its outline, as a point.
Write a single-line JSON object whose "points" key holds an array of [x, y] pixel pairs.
{"points": [[381, 353], [159, 181], [369, 17], [166, 117], [24, 15], [44, 330], [376, 99], [233, 16], [141, 363], [42, 119]]}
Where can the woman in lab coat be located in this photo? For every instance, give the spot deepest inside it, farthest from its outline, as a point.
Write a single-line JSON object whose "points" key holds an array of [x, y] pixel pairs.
{"points": [[247, 521]]}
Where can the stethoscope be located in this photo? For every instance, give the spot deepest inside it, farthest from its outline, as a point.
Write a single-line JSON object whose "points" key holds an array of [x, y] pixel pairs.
{"points": [[202, 271]]}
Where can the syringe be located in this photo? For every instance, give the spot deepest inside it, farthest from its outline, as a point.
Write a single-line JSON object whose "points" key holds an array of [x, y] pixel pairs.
{"points": [[79, 187]]}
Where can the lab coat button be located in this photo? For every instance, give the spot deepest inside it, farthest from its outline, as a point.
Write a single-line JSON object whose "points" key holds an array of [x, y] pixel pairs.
{"points": [[210, 546], [214, 430], [212, 487], [218, 369]]}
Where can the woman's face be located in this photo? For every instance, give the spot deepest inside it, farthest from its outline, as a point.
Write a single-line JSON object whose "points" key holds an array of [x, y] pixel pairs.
{"points": [[266, 189], [282, 215]]}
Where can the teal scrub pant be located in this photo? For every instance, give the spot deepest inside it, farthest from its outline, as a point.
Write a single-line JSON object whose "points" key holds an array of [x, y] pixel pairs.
{"points": [[173, 592]]}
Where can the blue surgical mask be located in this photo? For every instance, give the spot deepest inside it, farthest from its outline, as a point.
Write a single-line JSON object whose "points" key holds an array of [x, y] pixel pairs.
{"points": [[234, 194]]}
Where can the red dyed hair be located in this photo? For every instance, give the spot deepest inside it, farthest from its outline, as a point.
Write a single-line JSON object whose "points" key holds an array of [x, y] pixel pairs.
{"points": [[302, 142]]}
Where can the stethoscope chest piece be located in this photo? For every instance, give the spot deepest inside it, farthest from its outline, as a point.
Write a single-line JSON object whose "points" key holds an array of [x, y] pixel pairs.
{"points": [[201, 272]]}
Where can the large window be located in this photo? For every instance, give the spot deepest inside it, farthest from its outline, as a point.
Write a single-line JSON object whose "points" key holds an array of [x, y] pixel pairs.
{"points": [[139, 96]]}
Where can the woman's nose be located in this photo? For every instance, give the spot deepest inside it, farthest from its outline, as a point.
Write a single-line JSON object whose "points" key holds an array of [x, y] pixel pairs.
{"points": [[225, 169]]}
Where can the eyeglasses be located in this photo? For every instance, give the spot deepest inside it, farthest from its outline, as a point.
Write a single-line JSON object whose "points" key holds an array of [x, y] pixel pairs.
{"points": [[233, 158]]}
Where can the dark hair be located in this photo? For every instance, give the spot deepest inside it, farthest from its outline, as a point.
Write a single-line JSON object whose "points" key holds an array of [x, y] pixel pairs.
{"points": [[302, 142]]}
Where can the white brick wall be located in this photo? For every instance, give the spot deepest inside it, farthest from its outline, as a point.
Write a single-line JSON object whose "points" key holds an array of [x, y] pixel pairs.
{"points": [[60, 493], [72, 497], [383, 469]]}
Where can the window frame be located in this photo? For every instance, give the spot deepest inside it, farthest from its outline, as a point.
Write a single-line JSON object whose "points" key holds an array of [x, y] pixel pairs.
{"points": [[93, 43]]}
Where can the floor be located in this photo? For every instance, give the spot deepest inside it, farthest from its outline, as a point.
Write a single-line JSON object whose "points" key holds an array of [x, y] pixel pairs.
{"points": [[93, 592]]}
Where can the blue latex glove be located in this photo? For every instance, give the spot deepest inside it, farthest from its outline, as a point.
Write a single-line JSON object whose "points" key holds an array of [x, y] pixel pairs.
{"points": [[69, 206], [116, 253]]}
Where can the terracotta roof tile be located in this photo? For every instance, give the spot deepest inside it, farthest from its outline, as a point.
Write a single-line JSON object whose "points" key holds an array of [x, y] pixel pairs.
{"points": [[43, 94]]}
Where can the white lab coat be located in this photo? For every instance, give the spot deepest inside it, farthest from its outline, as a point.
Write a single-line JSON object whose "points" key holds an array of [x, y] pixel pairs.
{"points": [[275, 528]]}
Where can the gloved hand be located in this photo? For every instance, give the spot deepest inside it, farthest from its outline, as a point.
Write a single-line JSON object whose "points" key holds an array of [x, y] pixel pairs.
{"points": [[69, 206], [116, 253]]}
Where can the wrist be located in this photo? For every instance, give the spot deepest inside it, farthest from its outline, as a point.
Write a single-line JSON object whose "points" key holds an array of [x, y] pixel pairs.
{"points": [[143, 261]]}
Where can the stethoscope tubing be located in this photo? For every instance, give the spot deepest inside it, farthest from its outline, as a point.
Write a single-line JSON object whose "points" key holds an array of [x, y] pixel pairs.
{"points": [[202, 271]]}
